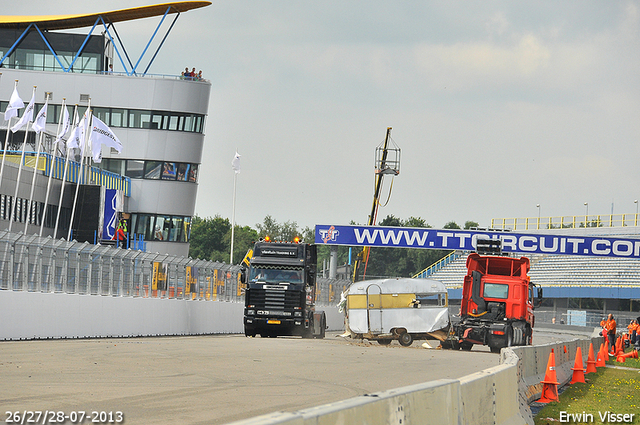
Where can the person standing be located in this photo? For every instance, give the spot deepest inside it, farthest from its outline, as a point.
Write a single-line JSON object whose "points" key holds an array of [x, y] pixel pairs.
{"points": [[610, 326], [121, 234]]}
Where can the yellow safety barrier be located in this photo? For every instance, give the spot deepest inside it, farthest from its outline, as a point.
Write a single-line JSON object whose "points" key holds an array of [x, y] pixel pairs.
{"points": [[565, 222]]}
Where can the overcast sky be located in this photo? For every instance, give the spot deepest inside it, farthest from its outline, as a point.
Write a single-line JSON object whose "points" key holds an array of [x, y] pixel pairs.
{"points": [[497, 105]]}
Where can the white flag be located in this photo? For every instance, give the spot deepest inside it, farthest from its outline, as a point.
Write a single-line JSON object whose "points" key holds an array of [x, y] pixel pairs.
{"points": [[102, 135], [15, 103], [235, 163], [65, 125], [27, 115], [41, 119], [76, 137]]}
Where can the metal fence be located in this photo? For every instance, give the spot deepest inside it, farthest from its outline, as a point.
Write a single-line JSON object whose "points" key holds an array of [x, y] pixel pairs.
{"points": [[39, 264]]}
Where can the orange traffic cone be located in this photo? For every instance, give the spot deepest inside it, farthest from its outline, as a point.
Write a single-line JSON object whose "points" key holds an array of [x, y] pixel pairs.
{"points": [[606, 349], [550, 381], [600, 359], [619, 346], [578, 368], [633, 354], [591, 362]]}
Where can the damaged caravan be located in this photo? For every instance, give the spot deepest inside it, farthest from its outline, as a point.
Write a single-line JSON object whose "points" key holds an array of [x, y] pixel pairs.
{"points": [[404, 309]]}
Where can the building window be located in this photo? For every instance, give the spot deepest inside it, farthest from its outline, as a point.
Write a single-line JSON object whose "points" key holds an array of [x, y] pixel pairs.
{"points": [[152, 169], [158, 228], [169, 171], [135, 169]]}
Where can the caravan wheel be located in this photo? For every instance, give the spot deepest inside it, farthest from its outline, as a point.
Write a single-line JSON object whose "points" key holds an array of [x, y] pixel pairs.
{"points": [[405, 339]]}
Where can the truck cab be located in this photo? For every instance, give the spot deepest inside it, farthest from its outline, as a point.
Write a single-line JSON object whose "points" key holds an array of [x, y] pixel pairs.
{"points": [[280, 291], [497, 303]]}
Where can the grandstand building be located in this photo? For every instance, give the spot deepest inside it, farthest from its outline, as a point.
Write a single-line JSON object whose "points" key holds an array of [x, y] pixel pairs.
{"points": [[160, 120]]}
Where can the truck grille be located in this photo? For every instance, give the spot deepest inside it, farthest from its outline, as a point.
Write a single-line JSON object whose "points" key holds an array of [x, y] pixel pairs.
{"points": [[272, 299]]}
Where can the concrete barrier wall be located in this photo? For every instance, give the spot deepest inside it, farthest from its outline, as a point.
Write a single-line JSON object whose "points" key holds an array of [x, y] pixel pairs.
{"points": [[498, 395], [35, 315]]}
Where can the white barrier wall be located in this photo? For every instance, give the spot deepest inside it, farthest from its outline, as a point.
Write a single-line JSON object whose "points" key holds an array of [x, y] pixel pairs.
{"points": [[34, 315], [498, 395]]}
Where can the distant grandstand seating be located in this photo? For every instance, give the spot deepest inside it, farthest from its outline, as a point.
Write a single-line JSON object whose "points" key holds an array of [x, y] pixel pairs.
{"points": [[564, 276]]}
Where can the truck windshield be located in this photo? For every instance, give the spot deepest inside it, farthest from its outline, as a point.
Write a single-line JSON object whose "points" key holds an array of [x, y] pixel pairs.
{"points": [[276, 275], [496, 290]]}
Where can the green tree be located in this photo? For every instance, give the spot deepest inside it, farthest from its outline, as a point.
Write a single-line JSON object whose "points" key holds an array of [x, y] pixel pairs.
{"points": [[279, 232], [244, 238], [207, 236], [400, 262], [470, 224], [451, 225]]}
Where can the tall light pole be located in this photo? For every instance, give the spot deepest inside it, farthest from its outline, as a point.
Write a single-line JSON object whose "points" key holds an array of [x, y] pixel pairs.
{"points": [[586, 214], [636, 218], [538, 207]]}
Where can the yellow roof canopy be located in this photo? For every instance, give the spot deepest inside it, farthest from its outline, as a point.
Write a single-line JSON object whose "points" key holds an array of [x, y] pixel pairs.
{"points": [[63, 22]]}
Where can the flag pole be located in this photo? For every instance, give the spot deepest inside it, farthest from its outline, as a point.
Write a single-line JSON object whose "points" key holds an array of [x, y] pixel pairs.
{"points": [[24, 145], [235, 165], [233, 215], [35, 168], [54, 151], [64, 177], [6, 141], [82, 150]]}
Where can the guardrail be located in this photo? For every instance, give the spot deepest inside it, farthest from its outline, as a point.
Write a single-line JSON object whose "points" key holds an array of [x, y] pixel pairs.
{"points": [[50, 165], [565, 222], [438, 265]]}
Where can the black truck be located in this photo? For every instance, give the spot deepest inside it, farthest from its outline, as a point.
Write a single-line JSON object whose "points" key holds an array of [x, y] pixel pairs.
{"points": [[280, 291]]}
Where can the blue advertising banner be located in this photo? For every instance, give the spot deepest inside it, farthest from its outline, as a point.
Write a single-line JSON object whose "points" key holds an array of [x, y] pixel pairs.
{"points": [[457, 239], [110, 213]]}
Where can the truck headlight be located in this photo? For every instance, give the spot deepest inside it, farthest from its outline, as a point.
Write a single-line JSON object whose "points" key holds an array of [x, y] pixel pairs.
{"points": [[297, 314], [251, 312]]}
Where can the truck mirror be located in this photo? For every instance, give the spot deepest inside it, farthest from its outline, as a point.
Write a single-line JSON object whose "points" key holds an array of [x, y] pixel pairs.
{"points": [[243, 275], [540, 293]]}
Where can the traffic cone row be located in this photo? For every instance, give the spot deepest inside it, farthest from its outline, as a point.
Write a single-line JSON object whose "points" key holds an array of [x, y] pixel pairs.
{"points": [[550, 381]]}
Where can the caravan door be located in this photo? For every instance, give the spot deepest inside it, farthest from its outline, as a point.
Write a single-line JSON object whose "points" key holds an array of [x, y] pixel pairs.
{"points": [[374, 309]]}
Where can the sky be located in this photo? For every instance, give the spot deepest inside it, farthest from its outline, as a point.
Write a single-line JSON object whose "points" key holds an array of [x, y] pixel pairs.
{"points": [[497, 106]]}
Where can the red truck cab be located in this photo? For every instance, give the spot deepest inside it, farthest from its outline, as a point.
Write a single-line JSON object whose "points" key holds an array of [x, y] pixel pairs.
{"points": [[497, 303]]}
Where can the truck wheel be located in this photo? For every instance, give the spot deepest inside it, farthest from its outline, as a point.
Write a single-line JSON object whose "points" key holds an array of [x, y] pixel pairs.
{"points": [[384, 341], [509, 337], [308, 333], [405, 339], [323, 327]]}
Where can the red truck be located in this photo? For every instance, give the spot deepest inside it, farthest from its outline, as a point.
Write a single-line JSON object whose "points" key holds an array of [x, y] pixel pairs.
{"points": [[497, 304]]}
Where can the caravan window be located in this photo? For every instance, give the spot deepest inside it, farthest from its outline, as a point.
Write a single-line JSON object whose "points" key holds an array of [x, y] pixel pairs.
{"points": [[430, 300]]}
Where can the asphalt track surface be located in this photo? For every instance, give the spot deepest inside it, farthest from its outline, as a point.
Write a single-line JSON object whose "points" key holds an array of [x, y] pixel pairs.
{"points": [[214, 379]]}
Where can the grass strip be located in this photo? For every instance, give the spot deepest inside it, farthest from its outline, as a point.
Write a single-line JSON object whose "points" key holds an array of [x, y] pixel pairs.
{"points": [[607, 392]]}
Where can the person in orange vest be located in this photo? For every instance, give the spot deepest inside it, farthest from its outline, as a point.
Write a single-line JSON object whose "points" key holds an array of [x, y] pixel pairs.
{"points": [[610, 327], [603, 322], [633, 331], [120, 235]]}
